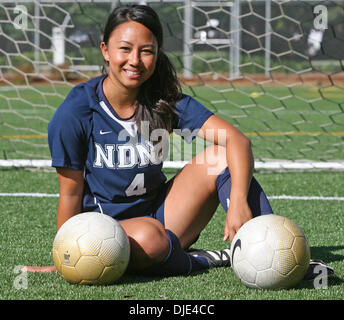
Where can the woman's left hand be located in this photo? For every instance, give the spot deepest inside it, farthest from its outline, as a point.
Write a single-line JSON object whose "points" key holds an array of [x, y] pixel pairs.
{"points": [[238, 213]]}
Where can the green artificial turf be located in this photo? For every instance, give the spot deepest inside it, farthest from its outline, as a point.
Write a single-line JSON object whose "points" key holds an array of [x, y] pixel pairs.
{"points": [[28, 230]]}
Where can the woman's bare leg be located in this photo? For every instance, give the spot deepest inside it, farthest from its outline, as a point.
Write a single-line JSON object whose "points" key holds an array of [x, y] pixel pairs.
{"points": [[192, 199]]}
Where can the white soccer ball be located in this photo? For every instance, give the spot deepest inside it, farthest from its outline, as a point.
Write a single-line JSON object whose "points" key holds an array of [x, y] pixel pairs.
{"points": [[91, 248], [270, 252]]}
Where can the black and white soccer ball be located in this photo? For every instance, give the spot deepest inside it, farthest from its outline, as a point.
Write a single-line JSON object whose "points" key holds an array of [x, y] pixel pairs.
{"points": [[270, 252]]}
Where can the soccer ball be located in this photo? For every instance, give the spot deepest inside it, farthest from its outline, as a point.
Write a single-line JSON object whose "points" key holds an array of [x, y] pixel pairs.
{"points": [[270, 252], [91, 248]]}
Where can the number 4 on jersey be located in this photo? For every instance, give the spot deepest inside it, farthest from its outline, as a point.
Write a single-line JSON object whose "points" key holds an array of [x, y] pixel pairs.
{"points": [[137, 186]]}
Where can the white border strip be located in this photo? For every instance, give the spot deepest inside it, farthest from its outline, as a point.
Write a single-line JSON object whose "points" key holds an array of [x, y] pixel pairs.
{"points": [[285, 197], [270, 165], [281, 197], [299, 165], [25, 163], [32, 195]]}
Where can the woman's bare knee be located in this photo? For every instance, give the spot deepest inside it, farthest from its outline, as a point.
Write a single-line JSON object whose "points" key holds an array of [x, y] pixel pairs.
{"points": [[148, 241]]}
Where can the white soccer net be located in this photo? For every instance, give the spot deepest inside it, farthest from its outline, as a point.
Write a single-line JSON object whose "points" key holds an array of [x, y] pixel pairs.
{"points": [[272, 68]]}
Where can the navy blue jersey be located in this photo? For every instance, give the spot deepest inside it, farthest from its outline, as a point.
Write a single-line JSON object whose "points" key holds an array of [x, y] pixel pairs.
{"points": [[122, 168]]}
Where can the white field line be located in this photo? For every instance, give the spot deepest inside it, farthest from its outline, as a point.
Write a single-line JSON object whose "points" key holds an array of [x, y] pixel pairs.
{"points": [[280, 197], [32, 195], [321, 198], [270, 165]]}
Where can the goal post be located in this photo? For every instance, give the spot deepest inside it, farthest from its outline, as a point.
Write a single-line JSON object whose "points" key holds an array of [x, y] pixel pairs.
{"points": [[272, 68]]}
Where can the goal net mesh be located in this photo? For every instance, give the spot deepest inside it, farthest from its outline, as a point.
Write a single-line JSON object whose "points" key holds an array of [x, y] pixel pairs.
{"points": [[274, 69]]}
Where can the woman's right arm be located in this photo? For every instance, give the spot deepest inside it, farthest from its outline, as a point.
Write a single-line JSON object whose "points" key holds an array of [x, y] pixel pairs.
{"points": [[71, 192]]}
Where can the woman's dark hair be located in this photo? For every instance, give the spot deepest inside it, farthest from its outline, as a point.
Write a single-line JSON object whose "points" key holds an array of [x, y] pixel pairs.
{"points": [[159, 94]]}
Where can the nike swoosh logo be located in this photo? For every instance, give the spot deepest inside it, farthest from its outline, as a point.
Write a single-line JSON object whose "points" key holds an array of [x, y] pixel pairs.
{"points": [[104, 132], [237, 244]]}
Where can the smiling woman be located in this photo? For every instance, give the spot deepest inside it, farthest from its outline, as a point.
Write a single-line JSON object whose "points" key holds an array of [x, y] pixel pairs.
{"points": [[140, 78], [131, 54], [106, 161]]}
